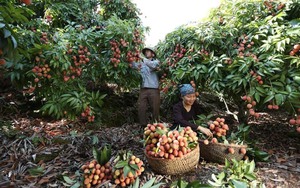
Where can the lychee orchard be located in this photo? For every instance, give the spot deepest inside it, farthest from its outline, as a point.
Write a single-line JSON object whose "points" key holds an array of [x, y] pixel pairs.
{"points": [[252, 60]]}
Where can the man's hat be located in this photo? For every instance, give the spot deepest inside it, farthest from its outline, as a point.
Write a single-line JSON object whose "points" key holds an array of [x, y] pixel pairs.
{"points": [[148, 48]]}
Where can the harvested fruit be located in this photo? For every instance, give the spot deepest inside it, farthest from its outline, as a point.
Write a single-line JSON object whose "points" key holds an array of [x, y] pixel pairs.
{"points": [[214, 140], [231, 150], [243, 151], [126, 169], [98, 170], [162, 143], [219, 127], [206, 142], [95, 174]]}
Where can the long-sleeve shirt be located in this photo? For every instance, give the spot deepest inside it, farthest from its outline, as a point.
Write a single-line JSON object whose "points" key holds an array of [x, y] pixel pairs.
{"points": [[148, 72], [183, 117]]}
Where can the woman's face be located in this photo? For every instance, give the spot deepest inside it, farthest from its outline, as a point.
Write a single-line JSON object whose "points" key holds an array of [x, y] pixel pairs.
{"points": [[189, 99], [148, 54]]}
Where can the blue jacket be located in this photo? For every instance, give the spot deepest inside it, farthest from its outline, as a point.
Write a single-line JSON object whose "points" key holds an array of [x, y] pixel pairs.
{"points": [[148, 72]]}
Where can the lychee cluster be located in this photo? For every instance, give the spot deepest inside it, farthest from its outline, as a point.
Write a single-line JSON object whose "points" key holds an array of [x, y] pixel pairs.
{"points": [[87, 113], [295, 49], [169, 145], [95, 174], [119, 174], [251, 103], [80, 55], [257, 77]]}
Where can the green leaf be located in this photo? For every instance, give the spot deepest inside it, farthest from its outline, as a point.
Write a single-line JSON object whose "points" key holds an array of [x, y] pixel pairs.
{"points": [[36, 171], [221, 176], [136, 183], [126, 170], [268, 98], [250, 177], [252, 167], [76, 185], [149, 183], [196, 184], [279, 99], [7, 33], [134, 166], [239, 184], [68, 180], [160, 131], [288, 88], [96, 154], [260, 90], [121, 164], [95, 140], [14, 41]]}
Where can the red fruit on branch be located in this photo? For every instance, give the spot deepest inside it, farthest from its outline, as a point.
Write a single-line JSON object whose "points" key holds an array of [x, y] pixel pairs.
{"points": [[297, 47], [249, 99], [27, 2], [2, 62], [292, 53], [249, 106], [292, 121], [244, 97]]}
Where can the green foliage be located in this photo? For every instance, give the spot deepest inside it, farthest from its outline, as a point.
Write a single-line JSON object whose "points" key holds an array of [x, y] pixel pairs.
{"points": [[125, 10], [242, 136], [103, 155], [9, 16], [122, 162], [149, 184], [238, 40], [203, 120], [183, 184], [57, 49], [236, 174]]}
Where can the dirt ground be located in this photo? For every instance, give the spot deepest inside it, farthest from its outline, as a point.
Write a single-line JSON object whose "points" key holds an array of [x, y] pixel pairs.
{"points": [[61, 147]]}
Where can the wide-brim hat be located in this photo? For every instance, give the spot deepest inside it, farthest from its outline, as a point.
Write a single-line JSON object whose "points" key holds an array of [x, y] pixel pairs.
{"points": [[148, 48]]}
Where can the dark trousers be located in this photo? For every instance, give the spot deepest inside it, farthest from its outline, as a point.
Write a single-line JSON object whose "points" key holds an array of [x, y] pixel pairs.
{"points": [[151, 97]]}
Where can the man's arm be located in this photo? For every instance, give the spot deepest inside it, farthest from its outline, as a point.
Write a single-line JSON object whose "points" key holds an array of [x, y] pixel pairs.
{"points": [[152, 64], [136, 65]]}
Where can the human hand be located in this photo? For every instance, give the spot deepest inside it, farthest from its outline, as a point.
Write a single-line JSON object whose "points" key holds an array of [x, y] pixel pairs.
{"points": [[205, 131]]}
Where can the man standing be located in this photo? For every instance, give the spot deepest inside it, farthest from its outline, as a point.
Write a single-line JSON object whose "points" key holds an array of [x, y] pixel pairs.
{"points": [[149, 92]]}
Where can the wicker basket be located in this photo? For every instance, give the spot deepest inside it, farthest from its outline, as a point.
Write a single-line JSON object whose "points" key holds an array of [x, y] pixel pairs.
{"points": [[218, 152], [176, 165]]}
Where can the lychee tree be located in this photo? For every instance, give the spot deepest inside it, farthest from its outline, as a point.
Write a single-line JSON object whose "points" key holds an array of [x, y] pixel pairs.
{"points": [[246, 50], [59, 48]]}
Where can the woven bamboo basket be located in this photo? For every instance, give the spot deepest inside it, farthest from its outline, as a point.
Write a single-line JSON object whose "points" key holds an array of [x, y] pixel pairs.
{"points": [[176, 165], [218, 152]]}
